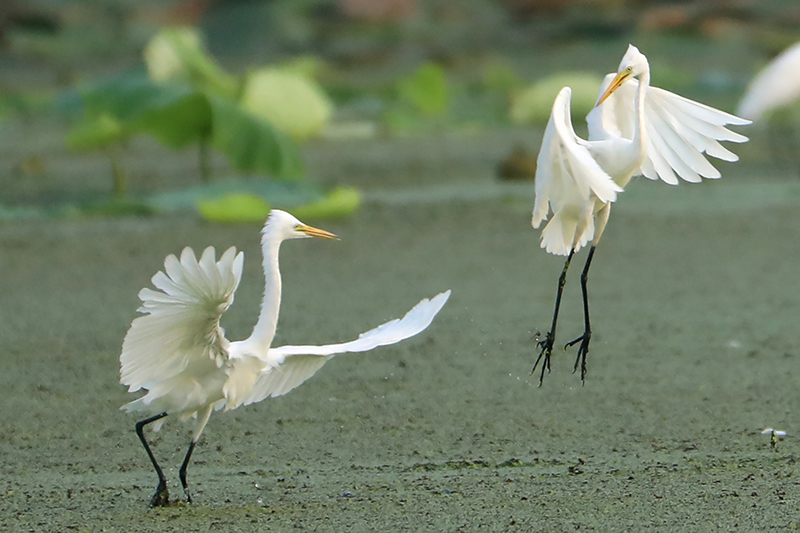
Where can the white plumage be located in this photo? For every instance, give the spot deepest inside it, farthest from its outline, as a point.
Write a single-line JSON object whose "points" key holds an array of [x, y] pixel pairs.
{"points": [[567, 177], [634, 130], [178, 352], [678, 131], [777, 85]]}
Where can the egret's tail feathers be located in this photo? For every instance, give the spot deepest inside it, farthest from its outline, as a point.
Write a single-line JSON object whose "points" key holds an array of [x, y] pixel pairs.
{"points": [[564, 233], [140, 406]]}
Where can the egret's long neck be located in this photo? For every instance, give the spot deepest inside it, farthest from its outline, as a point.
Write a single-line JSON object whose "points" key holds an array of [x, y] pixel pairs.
{"points": [[639, 134], [264, 330]]}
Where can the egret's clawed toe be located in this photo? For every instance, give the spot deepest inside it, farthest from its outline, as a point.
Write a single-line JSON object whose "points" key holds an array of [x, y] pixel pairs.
{"points": [[583, 350], [546, 345]]}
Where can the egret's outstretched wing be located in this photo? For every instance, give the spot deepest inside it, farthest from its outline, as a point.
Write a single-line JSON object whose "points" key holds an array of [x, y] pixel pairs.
{"points": [[678, 131], [775, 86], [289, 366], [180, 324], [566, 177]]}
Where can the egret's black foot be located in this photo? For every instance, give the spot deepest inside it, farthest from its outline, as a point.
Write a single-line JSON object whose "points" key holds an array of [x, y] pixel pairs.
{"points": [[546, 345], [188, 495], [583, 350], [160, 496]]}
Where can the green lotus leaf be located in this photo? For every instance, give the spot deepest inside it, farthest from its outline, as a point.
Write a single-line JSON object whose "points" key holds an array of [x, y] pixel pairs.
{"points": [[179, 55], [240, 207], [95, 132], [533, 105], [252, 144], [342, 201], [186, 120], [175, 114], [293, 103], [281, 193], [426, 90]]}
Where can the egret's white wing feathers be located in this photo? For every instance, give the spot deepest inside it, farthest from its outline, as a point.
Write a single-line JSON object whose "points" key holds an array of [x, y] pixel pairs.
{"points": [[180, 324], [277, 381], [566, 177], [415, 321], [544, 177], [678, 131], [289, 366]]}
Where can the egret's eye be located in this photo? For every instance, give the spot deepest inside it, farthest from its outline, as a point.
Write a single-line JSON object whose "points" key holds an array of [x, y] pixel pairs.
{"points": [[629, 69]]}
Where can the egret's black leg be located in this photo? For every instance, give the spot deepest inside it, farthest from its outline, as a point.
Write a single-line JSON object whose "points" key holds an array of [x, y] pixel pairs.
{"points": [[546, 344], [584, 339], [182, 472], [161, 496]]}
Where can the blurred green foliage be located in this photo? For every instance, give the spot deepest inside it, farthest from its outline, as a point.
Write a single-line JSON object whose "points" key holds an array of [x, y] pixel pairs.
{"points": [[420, 99], [294, 103], [252, 144], [251, 207], [186, 98], [92, 131], [340, 202], [248, 200], [533, 105], [238, 207], [178, 55], [425, 90], [500, 77], [372, 71]]}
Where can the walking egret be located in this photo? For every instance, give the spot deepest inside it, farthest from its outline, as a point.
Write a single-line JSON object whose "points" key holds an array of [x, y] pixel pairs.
{"points": [[633, 129], [178, 352]]}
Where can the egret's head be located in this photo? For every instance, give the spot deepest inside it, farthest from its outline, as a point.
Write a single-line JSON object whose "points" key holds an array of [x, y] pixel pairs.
{"points": [[633, 64], [633, 61], [286, 226]]}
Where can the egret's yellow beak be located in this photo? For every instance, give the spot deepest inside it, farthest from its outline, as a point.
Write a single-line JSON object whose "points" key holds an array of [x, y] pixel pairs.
{"points": [[621, 78], [316, 232]]}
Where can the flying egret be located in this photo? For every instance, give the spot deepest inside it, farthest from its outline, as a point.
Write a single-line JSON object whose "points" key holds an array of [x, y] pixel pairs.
{"points": [[178, 352], [633, 129]]}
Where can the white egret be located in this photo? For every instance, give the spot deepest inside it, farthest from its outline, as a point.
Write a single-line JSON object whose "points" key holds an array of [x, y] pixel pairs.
{"points": [[774, 89], [178, 352], [633, 129], [777, 85]]}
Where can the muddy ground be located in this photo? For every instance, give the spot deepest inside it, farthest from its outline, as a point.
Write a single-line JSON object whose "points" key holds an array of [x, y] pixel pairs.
{"points": [[695, 307]]}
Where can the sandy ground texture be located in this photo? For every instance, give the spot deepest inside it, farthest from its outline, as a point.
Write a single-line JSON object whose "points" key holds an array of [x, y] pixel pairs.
{"points": [[695, 306]]}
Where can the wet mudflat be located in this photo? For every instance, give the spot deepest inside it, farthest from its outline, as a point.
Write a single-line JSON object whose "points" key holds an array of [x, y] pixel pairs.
{"points": [[695, 307]]}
